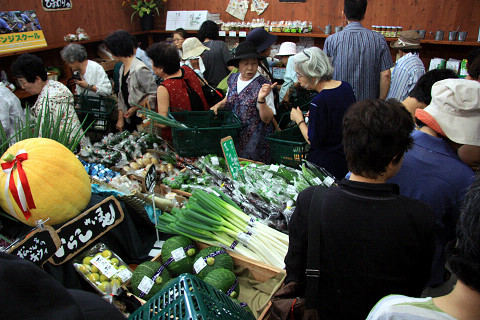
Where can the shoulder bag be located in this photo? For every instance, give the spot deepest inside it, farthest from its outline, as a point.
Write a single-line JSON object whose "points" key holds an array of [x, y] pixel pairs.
{"points": [[288, 303]]}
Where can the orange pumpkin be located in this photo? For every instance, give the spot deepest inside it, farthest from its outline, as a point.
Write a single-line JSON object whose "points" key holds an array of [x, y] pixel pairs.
{"points": [[59, 184]]}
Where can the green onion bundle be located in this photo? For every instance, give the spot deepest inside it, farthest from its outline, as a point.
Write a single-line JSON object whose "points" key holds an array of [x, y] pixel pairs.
{"points": [[209, 219], [158, 118]]}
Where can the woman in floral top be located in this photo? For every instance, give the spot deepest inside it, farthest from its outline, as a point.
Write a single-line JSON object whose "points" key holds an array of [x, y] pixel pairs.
{"points": [[53, 95]]}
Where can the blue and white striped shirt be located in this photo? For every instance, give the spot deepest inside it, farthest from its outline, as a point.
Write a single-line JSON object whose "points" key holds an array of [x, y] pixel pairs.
{"points": [[358, 56], [406, 73]]}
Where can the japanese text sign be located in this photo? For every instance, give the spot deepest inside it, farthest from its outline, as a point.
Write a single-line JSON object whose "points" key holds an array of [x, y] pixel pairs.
{"points": [[231, 158], [38, 246], [86, 228]]}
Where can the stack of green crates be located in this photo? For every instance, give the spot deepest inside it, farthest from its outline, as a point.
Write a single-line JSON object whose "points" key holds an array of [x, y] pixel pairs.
{"points": [[288, 147], [187, 297], [204, 132]]}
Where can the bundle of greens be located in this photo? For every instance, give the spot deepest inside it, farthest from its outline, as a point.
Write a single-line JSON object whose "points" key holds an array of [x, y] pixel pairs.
{"points": [[216, 220]]}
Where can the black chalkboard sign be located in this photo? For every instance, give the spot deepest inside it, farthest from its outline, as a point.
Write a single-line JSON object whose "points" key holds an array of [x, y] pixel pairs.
{"points": [[56, 5], [151, 179], [87, 227], [38, 246]]}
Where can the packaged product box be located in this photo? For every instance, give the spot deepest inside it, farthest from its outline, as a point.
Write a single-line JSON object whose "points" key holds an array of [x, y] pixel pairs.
{"points": [[437, 63], [463, 69], [453, 64], [102, 269]]}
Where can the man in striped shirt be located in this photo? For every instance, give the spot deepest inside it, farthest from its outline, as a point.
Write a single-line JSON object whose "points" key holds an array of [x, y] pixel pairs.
{"points": [[360, 56], [409, 67]]}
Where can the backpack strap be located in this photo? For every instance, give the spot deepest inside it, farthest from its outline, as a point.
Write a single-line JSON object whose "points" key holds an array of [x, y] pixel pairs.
{"points": [[314, 239]]}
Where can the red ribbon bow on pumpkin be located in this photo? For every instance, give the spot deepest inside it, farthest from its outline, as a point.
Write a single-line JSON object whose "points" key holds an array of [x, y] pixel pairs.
{"points": [[22, 193]]}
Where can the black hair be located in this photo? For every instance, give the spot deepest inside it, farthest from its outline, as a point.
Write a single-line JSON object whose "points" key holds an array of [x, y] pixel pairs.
{"points": [[208, 29], [464, 257], [135, 42], [422, 91], [120, 43], [182, 32], [355, 10], [375, 133], [29, 66], [473, 67], [164, 55]]}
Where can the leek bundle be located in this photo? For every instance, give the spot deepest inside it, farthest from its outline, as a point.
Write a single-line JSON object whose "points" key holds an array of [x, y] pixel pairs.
{"points": [[217, 220], [158, 118]]}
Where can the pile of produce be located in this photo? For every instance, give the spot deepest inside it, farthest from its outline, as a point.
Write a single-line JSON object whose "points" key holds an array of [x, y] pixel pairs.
{"points": [[216, 220], [121, 148], [180, 255], [268, 192], [103, 269]]}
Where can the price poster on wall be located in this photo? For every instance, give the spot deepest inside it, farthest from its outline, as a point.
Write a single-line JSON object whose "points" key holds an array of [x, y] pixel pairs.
{"points": [[20, 30]]}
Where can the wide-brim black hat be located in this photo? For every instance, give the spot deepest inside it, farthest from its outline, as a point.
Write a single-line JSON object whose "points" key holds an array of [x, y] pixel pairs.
{"points": [[262, 39], [245, 50]]}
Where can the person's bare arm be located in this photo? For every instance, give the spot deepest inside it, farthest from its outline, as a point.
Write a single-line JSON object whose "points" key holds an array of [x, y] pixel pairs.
{"points": [[163, 102], [385, 77]]}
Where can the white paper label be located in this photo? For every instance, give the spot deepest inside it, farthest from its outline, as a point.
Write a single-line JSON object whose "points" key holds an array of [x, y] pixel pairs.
{"points": [[222, 33], [243, 238], [124, 274], [242, 34], [274, 167], [328, 181], [232, 33], [267, 175], [178, 254], [214, 161], [317, 181], [146, 284], [104, 266], [199, 265]]}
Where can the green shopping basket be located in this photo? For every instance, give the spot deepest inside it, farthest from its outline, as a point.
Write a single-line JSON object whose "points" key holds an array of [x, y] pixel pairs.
{"points": [[187, 297], [96, 109], [288, 147], [204, 132]]}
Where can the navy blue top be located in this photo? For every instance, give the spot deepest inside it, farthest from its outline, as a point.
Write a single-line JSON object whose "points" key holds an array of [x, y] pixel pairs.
{"points": [[433, 173], [325, 128]]}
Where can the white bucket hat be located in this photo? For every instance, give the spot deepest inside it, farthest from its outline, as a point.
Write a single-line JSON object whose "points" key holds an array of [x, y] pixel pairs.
{"points": [[456, 108], [192, 47], [287, 49]]}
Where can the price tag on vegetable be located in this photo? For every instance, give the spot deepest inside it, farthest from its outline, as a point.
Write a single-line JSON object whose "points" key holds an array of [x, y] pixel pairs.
{"points": [[151, 179], [231, 158], [124, 274], [145, 285], [104, 266], [178, 254], [199, 265]]}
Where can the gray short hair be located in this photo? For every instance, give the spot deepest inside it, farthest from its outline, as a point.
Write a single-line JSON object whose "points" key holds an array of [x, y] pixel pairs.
{"points": [[73, 53], [314, 64]]}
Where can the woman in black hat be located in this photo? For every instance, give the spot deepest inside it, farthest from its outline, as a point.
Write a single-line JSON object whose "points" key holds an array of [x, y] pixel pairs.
{"points": [[250, 97]]}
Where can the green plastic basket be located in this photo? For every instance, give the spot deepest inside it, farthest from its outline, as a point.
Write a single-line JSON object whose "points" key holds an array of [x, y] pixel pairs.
{"points": [[288, 147], [188, 297], [94, 109], [205, 132]]}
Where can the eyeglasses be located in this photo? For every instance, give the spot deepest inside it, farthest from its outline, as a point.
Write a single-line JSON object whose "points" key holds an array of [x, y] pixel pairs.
{"points": [[176, 40]]}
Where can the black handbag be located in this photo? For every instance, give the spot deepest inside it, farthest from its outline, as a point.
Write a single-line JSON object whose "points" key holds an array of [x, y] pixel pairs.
{"points": [[212, 95]]}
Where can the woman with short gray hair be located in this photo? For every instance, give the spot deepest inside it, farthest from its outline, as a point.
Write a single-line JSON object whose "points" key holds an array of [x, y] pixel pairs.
{"points": [[90, 77], [324, 130]]}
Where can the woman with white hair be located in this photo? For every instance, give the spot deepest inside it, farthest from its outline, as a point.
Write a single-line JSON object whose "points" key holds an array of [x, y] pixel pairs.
{"points": [[324, 131], [91, 75]]}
